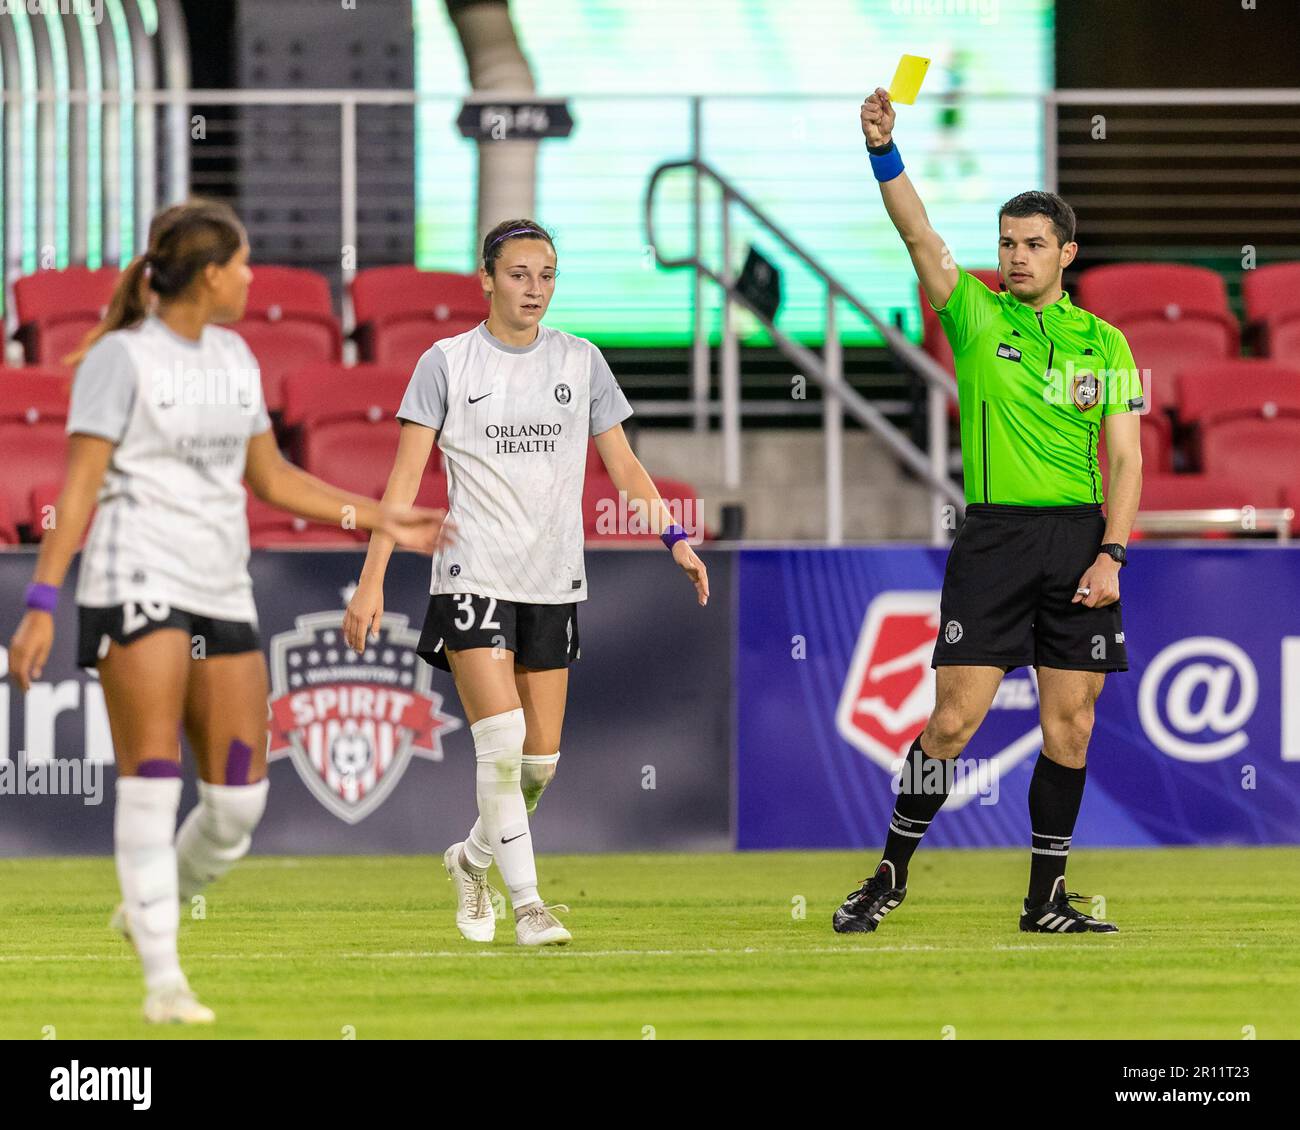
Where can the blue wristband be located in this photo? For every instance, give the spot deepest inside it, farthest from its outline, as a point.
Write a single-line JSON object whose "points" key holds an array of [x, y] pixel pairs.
{"points": [[886, 166], [672, 535]]}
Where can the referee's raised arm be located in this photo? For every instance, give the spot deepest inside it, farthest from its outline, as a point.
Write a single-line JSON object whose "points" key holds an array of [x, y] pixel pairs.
{"points": [[934, 265]]}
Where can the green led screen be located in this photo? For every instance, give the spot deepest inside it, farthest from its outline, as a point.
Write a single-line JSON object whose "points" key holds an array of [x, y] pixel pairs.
{"points": [[781, 84]]}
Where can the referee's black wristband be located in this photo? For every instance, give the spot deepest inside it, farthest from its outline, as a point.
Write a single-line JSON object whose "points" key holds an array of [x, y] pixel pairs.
{"points": [[880, 150]]}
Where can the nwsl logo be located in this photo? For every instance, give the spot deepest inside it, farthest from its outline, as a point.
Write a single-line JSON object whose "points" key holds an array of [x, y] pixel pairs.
{"points": [[351, 722], [888, 696]]}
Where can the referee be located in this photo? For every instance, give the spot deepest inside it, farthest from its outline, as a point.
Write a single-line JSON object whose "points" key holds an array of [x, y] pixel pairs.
{"points": [[1033, 577]]}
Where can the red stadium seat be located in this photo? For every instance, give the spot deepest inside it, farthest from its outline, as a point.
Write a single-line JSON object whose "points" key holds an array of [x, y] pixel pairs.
{"points": [[1162, 350], [1162, 492], [1201, 492], [432, 492], [403, 343], [354, 455], [604, 518], [1154, 440], [270, 527], [326, 394], [401, 311], [45, 498], [1271, 291], [33, 446], [56, 309], [1172, 315], [383, 293], [1227, 389], [1264, 452], [34, 395], [289, 322], [1272, 299], [1129, 294], [31, 454], [8, 531], [1282, 341]]}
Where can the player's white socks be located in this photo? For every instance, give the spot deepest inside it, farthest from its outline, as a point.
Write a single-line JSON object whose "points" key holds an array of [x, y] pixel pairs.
{"points": [[534, 775], [217, 833], [144, 830], [499, 751]]}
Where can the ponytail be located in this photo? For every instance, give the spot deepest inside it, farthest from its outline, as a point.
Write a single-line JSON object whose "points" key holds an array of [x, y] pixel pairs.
{"points": [[127, 307], [183, 240]]}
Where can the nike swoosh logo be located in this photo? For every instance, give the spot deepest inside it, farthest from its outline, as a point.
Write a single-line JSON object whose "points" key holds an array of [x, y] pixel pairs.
{"points": [[513, 838], [476, 399]]}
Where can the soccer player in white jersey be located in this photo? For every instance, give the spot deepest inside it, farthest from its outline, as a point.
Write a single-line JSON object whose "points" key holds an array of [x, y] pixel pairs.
{"points": [[511, 404], [166, 418]]}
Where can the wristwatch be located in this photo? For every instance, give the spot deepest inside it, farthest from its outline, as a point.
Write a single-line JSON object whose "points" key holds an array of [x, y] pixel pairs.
{"points": [[1115, 550]]}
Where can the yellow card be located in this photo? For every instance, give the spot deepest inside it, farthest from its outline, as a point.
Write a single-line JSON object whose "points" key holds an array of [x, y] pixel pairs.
{"points": [[908, 78]]}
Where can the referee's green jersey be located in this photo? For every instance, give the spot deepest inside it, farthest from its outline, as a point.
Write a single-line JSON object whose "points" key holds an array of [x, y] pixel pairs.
{"points": [[1032, 388]]}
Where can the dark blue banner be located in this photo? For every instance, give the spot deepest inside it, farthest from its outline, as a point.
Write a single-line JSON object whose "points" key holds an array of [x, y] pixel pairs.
{"points": [[373, 754], [1198, 743]]}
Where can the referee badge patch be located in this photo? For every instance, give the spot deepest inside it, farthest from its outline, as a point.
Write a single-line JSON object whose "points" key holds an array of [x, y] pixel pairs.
{"points": [[1085, 390], [1007, 351]]}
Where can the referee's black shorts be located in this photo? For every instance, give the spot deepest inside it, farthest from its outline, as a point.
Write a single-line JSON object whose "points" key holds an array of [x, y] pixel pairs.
{"points": [[1008, 590]]}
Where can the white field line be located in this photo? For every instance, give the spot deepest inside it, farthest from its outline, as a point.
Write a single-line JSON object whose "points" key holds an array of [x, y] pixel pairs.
{"points": [[552, 952]]}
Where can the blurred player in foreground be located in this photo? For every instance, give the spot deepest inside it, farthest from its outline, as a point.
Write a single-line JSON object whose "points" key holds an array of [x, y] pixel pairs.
{"points": [[166, 418]]}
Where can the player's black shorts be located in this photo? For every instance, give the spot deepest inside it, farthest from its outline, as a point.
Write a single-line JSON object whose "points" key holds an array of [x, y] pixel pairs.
{"points": [[1008, 586], [542, 636], [126, 623]]}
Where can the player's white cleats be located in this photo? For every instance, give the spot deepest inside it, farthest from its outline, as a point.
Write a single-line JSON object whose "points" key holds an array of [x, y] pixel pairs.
{"points": [[537, 926], [475, 916], [176, 1004]]}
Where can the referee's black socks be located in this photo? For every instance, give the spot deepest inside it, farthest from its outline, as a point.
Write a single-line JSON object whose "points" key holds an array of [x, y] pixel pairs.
{"points": [[924, 785], [1055, 792]]}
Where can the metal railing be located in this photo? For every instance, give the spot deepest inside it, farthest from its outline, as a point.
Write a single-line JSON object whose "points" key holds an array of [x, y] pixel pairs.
{"points": [[692, 113], [827, 370], [1228, 520]]}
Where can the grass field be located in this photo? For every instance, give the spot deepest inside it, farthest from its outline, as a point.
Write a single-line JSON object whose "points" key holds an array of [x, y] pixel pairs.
{"points": [[675, 946]]}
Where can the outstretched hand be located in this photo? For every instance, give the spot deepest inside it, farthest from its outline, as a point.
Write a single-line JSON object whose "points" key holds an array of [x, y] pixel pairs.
{"points": [[878, 118], [684, 555], [416, 527]]}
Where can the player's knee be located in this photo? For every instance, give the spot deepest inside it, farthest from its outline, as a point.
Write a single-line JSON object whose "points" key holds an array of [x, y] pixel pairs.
{"points": [[230, 813], [535, 774], [1068, 735], [499, 746], [947, 733]]}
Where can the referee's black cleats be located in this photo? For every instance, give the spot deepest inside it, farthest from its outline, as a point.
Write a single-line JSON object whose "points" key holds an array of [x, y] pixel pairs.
{"points": [[862, 911], [1057, 916]]}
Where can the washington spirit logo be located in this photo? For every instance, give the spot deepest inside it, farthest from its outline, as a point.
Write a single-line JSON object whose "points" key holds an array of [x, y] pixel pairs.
{"points": [[352, 722], [888, 696]]}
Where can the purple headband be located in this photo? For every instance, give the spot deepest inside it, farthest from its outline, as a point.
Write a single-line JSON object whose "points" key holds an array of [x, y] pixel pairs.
{"points": [[515, 231]]}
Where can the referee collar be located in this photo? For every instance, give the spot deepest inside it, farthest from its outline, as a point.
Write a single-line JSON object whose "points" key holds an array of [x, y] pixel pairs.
{"points": [[1063, 304]]}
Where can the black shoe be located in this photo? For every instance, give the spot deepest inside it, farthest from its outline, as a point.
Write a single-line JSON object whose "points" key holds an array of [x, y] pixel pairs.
{"points": [[1057, 916], [862, 911]]}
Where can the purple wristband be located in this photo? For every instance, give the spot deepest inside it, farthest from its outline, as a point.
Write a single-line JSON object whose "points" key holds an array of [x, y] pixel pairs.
{"points": [[672, 535], [42, 598]]}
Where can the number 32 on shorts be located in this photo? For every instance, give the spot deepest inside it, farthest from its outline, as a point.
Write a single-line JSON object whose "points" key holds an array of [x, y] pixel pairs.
{"points": [[465, 607]]}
